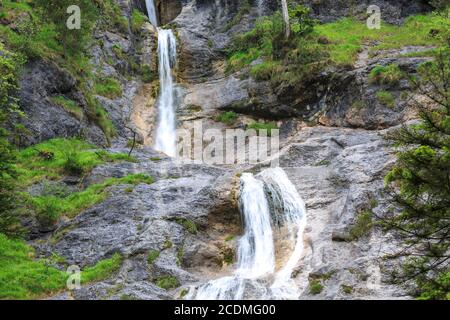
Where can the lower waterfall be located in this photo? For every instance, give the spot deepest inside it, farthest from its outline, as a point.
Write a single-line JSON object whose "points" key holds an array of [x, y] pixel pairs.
{"points": [[274, 218]]}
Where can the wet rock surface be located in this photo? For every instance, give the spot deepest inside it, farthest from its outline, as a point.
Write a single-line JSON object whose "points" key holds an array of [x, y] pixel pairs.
{"points": [[337, 168]]}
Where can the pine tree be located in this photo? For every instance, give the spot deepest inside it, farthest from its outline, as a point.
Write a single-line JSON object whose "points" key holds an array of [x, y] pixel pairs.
{"points": [[420, 185]]}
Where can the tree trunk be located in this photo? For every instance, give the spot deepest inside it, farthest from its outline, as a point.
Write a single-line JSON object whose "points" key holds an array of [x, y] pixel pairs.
{"points": [[287, 26]]}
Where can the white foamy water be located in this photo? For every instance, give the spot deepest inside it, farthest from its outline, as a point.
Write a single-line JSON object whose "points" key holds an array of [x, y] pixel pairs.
{"points": [[166, 129], [151, 9], [274, 218]]}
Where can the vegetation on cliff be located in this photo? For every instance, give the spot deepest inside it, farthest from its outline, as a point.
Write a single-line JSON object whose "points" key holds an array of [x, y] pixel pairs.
{"points": [[420, 186]]}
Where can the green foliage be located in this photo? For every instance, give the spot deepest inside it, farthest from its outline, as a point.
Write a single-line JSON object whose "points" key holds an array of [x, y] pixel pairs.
{"points": [[137, 20], [55, 12], [147, 74], [363, 224], [8, 105], [168, 282], [23, 277], [190, 226], [266, 70], [112, 16], [108, 87], [300, 20], [347, 36], [228, 117], [269, 126], [420, 185], [180, 254], [152, 256], [228, 255], [315, 287], [286, 63], [386, 98], [230, 237], [69, 105], [48, 160], [102, 270], [49, 208], [390, 75]]}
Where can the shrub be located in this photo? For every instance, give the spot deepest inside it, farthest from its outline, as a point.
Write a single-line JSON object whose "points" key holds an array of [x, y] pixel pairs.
{"points": [[137, 20], [228, 117], [363, 224], [386, 98], [102, 270], [390, 75], [73, 163], [108, 87], [147, 74], [265, 70], [190, 226], [315, 287], [48, 210], [69, 105], [269, 126], [167, 282], [152, 256]]}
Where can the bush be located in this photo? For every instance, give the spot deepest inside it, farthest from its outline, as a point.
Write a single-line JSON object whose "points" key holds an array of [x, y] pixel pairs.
{"points": [[363, 224], [390, 75], [102, 270], [108, 87], [315, 287], [48, 210], [269, 126], [69, 105], [190, 226], [147, 74], [386, 98], [137, 20], [167, 282], [228, 117], [265, 70], [152, 256], [73, 164]]}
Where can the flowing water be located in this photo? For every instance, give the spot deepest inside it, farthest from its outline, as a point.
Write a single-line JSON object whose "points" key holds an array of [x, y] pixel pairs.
{"points": [[274, 218], [165, 140], [151, 9], [166, 130]]}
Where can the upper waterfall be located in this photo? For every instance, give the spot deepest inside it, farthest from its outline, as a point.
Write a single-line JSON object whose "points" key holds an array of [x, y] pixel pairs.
{"points": [[166, 129], [151, 9], [274, 218]]}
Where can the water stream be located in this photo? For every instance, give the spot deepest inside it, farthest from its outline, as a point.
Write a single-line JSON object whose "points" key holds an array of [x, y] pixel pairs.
{"points": [[165, 140], [274, 218]]}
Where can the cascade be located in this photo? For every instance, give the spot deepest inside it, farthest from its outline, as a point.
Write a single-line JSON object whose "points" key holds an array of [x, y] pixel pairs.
{"points": [[151, 9], [165, 140], [274, 218]]}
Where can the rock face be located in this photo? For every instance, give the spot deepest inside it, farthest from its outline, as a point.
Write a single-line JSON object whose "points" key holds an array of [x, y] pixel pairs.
{"points": [[190, 214], [44, 119], [339, 174]]}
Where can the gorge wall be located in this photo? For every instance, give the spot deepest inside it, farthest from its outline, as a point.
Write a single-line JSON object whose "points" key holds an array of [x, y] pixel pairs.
{"points": [[332, 150]]}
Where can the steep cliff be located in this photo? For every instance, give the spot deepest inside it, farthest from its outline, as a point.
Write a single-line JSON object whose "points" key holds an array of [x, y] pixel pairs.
{"points": [[182, 229]]}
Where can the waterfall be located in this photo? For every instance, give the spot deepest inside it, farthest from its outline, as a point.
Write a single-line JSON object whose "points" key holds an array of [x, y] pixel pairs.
{"points": [[151, 9], [165, 140], [166, 131], [274, 218]]}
